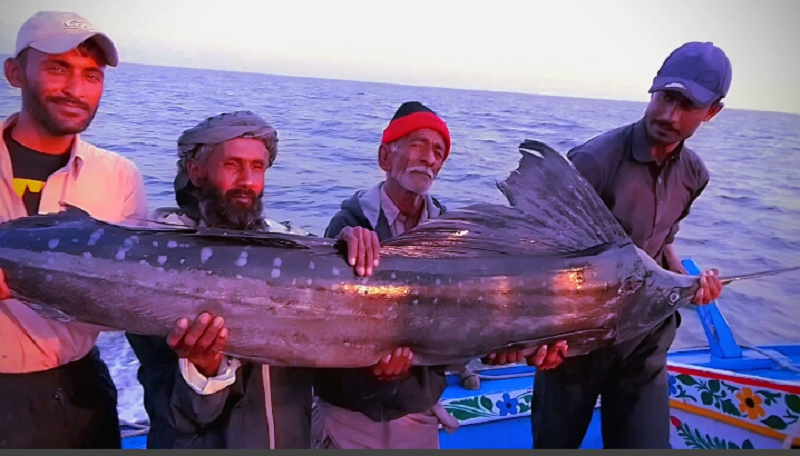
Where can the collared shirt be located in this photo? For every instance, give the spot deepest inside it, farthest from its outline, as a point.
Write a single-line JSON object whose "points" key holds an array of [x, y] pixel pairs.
{"points": [[396, 220], [649, 201], [107, 186]]}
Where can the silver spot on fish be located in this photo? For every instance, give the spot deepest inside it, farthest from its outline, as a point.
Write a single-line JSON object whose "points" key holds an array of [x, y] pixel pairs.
{"points": [[294, 281], [121, 253], [436, 300], [335, 271], [172, 244], [96, 236], [48, 277], [311, 265], [183, 260], [155, 243], [242, 259], [393, 276], [415, 302], [162, 260], [51, 261], [277, 262], [75, 241], [160, 269], [238, 277], [144, 263], [53, 243], [87, 255], [438, 282], [308, 282], [276, 273], [205, 254]]}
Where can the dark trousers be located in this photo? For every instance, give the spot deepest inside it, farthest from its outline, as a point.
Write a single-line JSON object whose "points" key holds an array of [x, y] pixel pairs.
{"points": [[632, 381], [71, 406]]}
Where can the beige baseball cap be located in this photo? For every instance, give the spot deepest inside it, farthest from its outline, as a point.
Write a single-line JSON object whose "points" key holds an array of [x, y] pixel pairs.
{"points": [[55, 32]]}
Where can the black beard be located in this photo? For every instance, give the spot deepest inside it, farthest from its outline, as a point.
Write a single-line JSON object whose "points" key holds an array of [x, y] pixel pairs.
{"points": [[37, 108], [221, 211]]}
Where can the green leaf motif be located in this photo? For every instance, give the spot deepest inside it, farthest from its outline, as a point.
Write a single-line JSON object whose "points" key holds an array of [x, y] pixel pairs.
{"points": [[524, 408], [793, 402], [733, 446], [775, 422], [715, 386], [748, 445], [687, 380], [730, 409], [707, 398], [731, 388], [462, 415], [472, 402], [769, 398], [486, 403]]}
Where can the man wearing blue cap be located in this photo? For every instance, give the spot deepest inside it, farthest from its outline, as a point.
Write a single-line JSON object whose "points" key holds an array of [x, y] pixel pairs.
{"points": [[649, 179]]}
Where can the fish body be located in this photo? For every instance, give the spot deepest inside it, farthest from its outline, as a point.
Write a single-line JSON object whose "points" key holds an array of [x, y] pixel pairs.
{"points": [[555, 265]]}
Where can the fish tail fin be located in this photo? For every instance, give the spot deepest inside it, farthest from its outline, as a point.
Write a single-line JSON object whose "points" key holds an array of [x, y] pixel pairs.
{"points": [[553, 210], [728, 280]]}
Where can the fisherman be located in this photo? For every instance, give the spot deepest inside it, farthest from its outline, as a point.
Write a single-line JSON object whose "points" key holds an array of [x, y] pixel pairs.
{"points": [[55, 390], [391, 405], [194, 395], [649, 178]]}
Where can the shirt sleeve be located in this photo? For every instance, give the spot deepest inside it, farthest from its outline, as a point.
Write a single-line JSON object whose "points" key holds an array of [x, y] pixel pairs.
{"points": [[204, 386]]}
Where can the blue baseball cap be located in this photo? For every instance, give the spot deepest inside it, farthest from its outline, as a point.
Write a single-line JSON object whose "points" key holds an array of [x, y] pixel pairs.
{"points": [[700, 71]]}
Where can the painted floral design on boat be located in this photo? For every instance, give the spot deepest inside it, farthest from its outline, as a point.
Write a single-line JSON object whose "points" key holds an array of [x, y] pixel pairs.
{"points": [[766, 406], [696, 441]]}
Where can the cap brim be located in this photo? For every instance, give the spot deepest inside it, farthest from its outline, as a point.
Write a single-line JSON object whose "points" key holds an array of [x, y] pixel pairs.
{"points": [[67, 41], [698, 94]]}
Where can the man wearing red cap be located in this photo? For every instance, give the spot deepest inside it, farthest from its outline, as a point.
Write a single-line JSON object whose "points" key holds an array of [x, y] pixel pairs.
{"points": [[391, 405]]}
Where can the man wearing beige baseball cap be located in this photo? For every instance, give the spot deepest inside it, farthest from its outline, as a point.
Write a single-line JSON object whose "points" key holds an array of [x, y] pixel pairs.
{"points": [[55, 390]]}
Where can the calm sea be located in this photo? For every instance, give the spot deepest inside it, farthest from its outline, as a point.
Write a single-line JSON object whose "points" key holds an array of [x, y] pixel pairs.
{"points": [[747, 220]]}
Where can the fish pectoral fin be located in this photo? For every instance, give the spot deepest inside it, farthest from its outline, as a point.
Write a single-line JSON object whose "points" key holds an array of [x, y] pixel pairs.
{"points": [[553, 210]]}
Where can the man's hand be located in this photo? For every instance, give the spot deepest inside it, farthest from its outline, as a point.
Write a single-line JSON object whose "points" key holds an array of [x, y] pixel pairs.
{"points": [[710, 288], [395, 365], [202, 345], [543, 358], [363, 249], [5, 292]]}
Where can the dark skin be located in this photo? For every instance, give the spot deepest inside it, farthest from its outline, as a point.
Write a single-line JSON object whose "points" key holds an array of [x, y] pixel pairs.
{"points": [[60, 95], [240, 164], [671, 118]]}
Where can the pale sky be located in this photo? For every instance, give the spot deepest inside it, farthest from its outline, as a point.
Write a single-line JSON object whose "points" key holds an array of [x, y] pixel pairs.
{"points": [[588, 48]]}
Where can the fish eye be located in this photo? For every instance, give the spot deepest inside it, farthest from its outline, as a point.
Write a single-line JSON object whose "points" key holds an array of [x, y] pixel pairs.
{"points": [[674, 297]]}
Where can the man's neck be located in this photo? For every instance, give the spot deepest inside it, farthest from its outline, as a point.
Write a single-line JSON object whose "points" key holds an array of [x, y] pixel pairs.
{"points": [[28, 133], [408, 203]]}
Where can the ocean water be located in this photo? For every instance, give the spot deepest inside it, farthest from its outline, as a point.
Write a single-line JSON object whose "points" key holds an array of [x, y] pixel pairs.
{"points": [[747, 220]]}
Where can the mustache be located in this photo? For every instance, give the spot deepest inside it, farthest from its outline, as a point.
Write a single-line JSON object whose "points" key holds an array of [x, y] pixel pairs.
{"points": [[70, 100], [240, 193], [421, 169], [665, 126]]}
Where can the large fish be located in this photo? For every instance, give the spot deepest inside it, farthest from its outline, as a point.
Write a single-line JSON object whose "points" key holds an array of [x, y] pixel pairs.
{"points": [[555, 265]]}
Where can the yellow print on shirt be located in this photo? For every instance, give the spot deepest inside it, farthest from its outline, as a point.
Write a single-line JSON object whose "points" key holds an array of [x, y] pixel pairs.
{"points": [[33, 186]]}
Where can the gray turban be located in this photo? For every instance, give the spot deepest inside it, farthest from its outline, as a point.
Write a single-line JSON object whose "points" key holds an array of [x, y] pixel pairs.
{"points": [[221, 128]]}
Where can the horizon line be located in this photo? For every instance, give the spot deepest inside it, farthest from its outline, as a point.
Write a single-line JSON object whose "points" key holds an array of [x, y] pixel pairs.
{"points": [[425, 86]]}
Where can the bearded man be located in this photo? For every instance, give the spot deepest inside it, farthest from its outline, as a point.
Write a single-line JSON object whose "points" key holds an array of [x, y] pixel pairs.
{"points": [[195, 396]]}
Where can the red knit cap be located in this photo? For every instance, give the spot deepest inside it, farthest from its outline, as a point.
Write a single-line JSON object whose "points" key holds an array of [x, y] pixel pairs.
{"points": [[413, 116]]}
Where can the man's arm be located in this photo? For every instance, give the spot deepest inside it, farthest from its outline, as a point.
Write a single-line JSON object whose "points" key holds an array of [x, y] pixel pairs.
{"points": [[135, 203], [167, 396]]}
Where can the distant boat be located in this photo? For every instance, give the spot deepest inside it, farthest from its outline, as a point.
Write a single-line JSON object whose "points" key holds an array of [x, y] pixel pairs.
{"points": [[722, 397]]}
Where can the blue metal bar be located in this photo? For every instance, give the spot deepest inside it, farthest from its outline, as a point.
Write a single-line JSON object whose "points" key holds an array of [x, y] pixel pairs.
{"points": [[719, 335]]}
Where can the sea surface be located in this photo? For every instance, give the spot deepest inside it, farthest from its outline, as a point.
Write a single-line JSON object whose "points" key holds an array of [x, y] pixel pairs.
{"points": [[747, 220]]}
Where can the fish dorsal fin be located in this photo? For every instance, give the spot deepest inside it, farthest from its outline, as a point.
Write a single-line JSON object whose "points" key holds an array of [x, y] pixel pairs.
{"points": [[554, 211]]}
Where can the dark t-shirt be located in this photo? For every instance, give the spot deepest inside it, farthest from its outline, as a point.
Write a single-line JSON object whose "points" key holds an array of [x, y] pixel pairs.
{"points": [[31, 170]]}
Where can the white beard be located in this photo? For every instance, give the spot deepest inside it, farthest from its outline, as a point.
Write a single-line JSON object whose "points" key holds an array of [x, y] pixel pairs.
{"points": [[413, 185]]}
